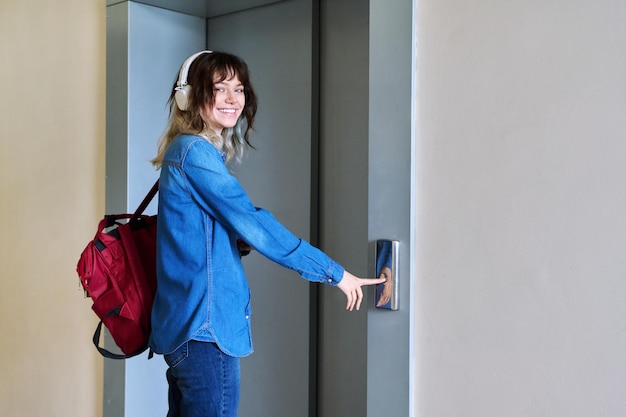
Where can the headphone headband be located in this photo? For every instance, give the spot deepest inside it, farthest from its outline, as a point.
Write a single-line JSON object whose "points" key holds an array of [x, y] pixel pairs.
{"points": [[182, 87]]}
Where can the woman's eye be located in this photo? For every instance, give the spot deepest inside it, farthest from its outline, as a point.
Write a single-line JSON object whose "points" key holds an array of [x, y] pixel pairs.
{"points": [[223, 90]]}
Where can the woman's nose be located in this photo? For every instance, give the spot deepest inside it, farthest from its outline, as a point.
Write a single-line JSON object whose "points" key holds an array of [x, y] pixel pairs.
{"points": [[230, 96]]}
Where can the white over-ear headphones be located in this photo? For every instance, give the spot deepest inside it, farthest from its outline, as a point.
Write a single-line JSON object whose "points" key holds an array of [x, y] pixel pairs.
{"points": [[182, 88]]}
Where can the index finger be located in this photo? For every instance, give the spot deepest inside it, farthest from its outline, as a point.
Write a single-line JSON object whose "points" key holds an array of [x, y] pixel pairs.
{"points": [[372, 281]]}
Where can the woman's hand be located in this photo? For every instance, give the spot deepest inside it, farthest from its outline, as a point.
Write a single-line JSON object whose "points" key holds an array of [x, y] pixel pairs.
{"points": [[351, 287], [244, 248]]}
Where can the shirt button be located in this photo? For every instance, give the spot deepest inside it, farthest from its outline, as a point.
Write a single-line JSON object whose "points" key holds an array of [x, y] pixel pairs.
{"points": [[330, 280], [247, 317]]}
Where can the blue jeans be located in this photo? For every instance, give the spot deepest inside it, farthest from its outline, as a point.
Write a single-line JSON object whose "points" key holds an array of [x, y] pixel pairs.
{"points": [[203, 381]]}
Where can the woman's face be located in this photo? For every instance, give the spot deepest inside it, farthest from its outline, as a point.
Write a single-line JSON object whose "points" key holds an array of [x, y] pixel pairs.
{"points": [[227, 107]]}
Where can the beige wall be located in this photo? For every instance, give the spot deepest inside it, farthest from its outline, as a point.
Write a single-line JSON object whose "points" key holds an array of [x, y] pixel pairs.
{"points": [[52, 67], [521, 150]]}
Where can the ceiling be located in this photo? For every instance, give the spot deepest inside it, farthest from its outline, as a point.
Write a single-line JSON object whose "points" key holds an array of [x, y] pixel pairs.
{"points": [[202, 8]]}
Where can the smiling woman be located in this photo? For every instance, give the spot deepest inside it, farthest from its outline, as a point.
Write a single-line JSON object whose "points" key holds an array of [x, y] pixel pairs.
{"points": [[201, 312], [229, 101]]}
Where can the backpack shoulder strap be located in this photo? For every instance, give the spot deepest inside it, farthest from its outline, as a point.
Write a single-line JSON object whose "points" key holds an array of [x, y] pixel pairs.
{"points": [[146, 200]]}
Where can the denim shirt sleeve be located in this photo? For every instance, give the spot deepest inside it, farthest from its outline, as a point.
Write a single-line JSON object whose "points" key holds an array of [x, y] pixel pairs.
{"points": [[220, 194]]}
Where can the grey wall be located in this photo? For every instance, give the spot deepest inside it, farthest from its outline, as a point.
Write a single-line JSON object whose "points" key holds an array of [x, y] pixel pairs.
{"points": [[145, 47], [365, 192], [276, 42], [521, 146], [389, 198]]}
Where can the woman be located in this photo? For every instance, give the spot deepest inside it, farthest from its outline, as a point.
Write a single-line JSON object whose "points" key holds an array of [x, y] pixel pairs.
{"points": [[201, 312]]}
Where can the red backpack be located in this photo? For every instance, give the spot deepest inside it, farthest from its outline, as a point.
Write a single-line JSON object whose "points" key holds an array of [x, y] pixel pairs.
{"points": [[117, 270]]}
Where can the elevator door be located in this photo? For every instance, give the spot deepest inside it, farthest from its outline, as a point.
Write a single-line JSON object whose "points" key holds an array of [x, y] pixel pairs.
{"points": [[276, 42]]}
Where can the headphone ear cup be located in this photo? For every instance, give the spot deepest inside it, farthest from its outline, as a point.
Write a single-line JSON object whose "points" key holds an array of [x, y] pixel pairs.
{"points": [[182, 96]]}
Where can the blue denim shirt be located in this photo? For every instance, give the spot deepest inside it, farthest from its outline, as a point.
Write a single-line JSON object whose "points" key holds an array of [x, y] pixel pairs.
{"points": [[202, 292]]}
